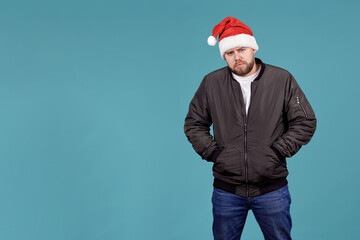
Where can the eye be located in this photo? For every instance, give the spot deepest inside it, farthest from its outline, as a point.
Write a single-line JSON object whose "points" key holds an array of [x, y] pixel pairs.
{"points": [[230, 53]]}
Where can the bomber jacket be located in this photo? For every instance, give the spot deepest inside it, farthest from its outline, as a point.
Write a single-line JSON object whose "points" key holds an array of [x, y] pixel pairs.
{"points": [[249, 151]]}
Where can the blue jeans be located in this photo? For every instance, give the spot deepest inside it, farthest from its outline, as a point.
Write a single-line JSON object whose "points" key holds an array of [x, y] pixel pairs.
{"points": [[271, 211]]}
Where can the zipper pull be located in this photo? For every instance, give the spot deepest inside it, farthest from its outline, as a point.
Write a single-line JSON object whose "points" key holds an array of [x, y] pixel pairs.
{"points": [[301, 106]]}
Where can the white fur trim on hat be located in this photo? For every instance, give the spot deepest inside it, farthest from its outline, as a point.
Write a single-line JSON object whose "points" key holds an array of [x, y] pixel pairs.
{"points": [[240, 40]]}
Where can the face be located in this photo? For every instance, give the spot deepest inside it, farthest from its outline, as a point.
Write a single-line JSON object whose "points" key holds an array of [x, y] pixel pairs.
{"points": [[241, 60]]}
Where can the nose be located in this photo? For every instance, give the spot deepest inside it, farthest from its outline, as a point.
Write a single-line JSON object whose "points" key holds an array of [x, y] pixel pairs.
{"points": [[237, 55]]}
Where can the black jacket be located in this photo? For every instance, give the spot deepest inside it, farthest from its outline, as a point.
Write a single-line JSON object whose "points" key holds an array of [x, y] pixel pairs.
{"points": [[249, 152]]}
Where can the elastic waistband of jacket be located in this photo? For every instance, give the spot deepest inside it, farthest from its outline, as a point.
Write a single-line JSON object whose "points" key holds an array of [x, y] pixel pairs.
{"points": [[241, 188]]}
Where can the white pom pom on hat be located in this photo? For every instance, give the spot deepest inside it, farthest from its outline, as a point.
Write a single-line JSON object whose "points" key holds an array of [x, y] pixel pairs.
{"points": [[212, 41]]}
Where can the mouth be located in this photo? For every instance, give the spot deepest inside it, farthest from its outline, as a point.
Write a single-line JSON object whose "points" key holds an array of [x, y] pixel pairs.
{"points": [[240, 63]]}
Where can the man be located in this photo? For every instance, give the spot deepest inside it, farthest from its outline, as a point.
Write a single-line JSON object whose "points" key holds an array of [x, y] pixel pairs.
{"points": [[260, 117]]}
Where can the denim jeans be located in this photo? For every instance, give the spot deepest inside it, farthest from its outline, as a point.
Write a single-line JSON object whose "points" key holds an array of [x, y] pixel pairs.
{"points": [[271, 211]]}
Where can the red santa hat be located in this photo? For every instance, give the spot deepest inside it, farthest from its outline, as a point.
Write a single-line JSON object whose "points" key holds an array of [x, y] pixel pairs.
{"points": [[232, 33]]}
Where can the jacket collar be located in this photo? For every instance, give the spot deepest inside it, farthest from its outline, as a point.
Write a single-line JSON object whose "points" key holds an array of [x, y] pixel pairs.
{"points": [[258, 61]]}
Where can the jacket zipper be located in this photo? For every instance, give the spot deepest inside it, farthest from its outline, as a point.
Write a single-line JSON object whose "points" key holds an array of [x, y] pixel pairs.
{"points": [[245, 143], [246, 160], [301, 106]]}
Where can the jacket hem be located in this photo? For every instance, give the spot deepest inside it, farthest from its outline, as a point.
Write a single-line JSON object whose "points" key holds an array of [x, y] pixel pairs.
{"points": [[238, 189]]}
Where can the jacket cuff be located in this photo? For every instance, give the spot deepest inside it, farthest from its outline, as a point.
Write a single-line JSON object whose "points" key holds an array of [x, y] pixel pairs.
{"points": [[215, 154], [277, 152]]}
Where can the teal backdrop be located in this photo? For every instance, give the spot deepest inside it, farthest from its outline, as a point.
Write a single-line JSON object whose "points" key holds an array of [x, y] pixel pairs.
{"points": [[93, 96]]}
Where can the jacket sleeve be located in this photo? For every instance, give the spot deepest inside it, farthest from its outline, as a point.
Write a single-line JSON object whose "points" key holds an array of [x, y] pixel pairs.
{"points": [[301, 118], [197, 125]]}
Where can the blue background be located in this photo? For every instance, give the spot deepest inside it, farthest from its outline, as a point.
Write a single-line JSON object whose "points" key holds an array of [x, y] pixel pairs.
{"points": [[93, 96]]}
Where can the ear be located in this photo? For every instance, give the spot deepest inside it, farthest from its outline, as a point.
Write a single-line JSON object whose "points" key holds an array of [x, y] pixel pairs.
{"points": [[254, 51]]}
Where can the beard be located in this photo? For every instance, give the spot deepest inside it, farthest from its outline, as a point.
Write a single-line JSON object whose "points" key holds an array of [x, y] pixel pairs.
{"points": [[244, 69]]}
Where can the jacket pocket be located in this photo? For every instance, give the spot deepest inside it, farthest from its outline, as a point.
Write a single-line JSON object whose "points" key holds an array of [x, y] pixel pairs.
{"points": [[277, 153], [264, 163], [278, 159], [228, 163], [279, 168]]}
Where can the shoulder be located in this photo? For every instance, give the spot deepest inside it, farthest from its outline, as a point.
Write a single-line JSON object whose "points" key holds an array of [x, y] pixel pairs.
{"points": [[216, 78], [277, 72], [217, 74]]}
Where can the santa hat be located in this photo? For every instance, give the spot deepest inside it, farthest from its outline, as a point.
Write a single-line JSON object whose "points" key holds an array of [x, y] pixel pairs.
{"points": [[232, 33]]}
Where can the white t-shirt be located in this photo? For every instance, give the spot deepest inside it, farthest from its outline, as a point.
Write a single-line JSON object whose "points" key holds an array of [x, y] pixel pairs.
{"points": [[245, 84]]}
